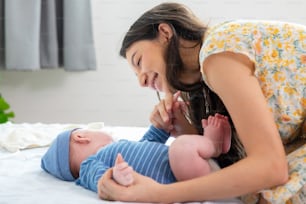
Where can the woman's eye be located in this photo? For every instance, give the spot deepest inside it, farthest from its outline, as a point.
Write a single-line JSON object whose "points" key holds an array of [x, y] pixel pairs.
{"points": [[139, 62]]}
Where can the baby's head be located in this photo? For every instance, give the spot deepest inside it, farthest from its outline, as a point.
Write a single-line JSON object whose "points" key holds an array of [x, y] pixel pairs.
{"points": [[69, 149]]}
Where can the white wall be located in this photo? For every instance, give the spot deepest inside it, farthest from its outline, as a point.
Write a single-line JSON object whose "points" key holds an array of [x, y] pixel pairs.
{"points": [[111, 94]]}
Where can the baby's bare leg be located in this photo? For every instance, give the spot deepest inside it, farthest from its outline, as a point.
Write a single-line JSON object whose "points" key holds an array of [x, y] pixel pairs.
{"points": [[189, 155]]}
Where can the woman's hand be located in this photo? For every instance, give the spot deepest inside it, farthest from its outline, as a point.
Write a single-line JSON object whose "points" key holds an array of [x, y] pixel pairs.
{"points": [[143, 189], [169, 115]]}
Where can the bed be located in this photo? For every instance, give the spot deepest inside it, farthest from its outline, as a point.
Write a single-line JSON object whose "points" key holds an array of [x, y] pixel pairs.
{"points": [[23, 181]]}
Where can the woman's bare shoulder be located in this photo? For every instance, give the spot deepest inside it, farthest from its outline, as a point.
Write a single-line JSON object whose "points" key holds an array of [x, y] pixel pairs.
{"points": [[226, 64]]}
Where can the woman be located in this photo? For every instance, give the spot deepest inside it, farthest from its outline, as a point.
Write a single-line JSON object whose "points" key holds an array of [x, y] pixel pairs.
{"points": [[252, 71]]}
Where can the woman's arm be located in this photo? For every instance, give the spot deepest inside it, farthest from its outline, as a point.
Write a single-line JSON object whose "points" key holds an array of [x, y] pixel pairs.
{"points": [[231, 77]]}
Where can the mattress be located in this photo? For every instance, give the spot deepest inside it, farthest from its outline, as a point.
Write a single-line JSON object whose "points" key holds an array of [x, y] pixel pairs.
{"points": [[23, 181]]}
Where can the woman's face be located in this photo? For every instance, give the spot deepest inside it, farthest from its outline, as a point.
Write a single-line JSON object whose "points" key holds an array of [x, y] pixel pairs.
{"points": [[147, 59]]}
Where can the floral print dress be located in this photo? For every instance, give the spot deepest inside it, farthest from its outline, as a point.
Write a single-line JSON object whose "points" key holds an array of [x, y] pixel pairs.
{"points": [[278, 51]]}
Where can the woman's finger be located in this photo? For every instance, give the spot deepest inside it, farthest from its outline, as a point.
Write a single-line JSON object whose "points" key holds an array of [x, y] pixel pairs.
{"points": [[108, 189], [176, 95], [103, 185], [168, 102], [163, 112], [156, 118]]}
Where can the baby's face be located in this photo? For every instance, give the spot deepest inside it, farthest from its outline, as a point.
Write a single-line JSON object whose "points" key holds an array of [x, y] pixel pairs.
{"points": [[84, 143]]}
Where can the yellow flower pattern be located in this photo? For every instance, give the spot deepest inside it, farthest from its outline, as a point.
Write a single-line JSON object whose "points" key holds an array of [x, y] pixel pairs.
{"points": [[278, 51]]}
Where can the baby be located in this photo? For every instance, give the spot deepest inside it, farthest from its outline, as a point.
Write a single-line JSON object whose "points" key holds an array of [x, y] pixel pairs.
{"points": [[83, 155]]}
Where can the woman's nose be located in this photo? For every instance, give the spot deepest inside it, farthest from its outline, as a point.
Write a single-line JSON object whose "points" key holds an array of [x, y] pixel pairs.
{"points": [[143, 80]]}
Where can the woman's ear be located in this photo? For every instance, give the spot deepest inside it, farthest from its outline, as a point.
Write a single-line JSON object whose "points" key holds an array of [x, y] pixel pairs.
{"points": [[165, 32]]}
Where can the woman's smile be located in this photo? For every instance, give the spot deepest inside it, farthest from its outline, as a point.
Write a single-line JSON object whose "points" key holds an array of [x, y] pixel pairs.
{"points": [[153, 83]]}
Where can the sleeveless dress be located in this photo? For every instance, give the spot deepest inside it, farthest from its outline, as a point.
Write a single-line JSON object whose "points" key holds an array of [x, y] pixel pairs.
{"points": [[278, 51]]}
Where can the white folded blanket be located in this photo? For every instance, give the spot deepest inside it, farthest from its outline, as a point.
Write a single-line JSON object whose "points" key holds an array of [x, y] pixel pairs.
{"points": [[15, 137]]}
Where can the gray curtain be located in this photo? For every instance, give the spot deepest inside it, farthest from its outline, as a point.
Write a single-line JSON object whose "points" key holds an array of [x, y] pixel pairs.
{"points": [[37, 34]]}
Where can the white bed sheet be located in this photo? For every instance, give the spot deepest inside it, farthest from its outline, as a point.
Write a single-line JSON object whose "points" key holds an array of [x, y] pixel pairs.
{"points": [[23, 181]]}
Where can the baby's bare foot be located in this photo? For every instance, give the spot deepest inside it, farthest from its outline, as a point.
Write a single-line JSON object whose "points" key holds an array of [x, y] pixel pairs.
{"points": [[227, 133], [217, 128]]}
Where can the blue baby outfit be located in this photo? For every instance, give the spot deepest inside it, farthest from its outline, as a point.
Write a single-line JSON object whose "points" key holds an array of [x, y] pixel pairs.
{"points": [[149, 157]]}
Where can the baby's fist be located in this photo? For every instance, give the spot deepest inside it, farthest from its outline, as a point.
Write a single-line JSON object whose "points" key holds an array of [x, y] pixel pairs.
{"points": [[122, 172]]}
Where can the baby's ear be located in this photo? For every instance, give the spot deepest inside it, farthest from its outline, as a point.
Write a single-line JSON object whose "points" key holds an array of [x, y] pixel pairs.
{"points": [[79, 138]]}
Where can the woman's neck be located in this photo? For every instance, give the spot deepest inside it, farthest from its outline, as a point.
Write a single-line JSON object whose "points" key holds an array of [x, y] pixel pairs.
{"points": [[189, 52]]}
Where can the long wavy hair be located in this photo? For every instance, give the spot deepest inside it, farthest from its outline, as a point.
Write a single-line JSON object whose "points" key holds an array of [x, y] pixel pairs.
{"points": [[202, 101]]}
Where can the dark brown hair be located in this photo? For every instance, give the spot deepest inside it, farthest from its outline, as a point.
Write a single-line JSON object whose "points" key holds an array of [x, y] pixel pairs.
{"points": [[185, 25]]}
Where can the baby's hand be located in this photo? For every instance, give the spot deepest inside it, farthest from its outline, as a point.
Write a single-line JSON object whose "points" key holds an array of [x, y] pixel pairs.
{"points": [[122, 172]]}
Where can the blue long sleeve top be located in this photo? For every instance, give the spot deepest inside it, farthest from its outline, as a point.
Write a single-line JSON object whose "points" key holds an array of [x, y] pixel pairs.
{"points": [[148, 156]]}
